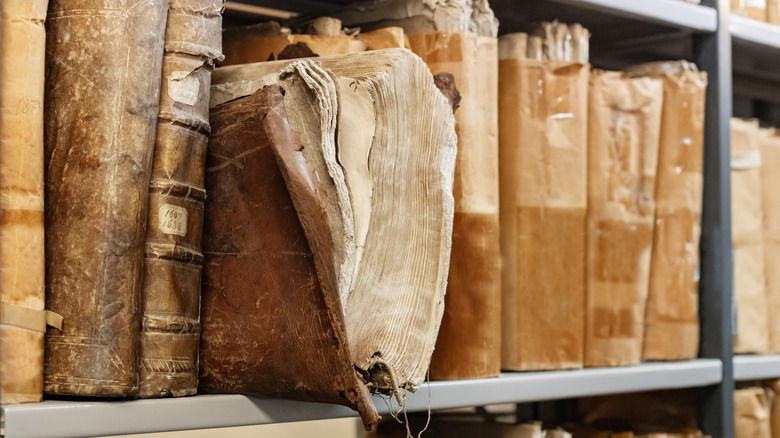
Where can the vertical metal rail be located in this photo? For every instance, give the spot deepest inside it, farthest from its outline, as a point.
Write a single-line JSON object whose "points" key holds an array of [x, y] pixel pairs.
{"points": [[713, 52]]}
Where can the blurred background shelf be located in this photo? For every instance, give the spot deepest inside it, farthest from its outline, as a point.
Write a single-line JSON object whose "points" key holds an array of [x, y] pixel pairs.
{"points": [[64, 418], [750, 367]]}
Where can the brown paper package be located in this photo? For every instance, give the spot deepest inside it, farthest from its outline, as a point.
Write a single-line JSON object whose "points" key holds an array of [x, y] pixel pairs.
{"points": [[543, 126], [747, 236], [770, 180], [755, 9], [170, 328], [469, 343], [751, 413], [21, 200], [623, 138], [265, 41], [102, 82], [239, 235], [672, 317], [774, 415]]}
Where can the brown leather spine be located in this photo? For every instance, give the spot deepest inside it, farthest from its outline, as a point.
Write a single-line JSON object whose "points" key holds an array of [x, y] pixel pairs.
{"points": [[469, 343], [103, 61], [21, 196], [170, 328], [268, 328]]}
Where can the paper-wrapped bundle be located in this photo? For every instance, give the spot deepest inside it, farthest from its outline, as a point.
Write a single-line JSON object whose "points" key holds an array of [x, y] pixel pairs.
{"points": [[459, 37], [755, 9], [170, 328], [103, 68], [267, 41], [356, 279], [747, 235], [623, 137], [22, 319], [672, 317], [751, 413], [543, 123], [770, 180]]}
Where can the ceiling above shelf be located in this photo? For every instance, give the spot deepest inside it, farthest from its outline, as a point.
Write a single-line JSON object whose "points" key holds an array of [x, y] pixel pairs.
{"points": [[59, 418]]}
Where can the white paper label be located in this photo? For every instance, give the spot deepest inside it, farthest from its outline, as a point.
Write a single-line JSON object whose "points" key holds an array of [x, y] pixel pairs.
{"points": [[183, 88], [748, 160], [173, 220], [756, 4]]}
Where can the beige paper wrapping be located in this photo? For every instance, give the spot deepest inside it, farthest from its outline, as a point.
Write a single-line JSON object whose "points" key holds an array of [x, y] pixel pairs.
{"points": [[770, 181], [672, 318], [243, 47], [755, 9], [21, 195], [751, 413], [543, 123], [747, 237], [469, 343], [774, 415], [623, 138], [773, 12]]}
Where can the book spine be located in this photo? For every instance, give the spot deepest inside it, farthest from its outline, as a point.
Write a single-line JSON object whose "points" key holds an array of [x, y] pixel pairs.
{"points": [[21, 198], [103, 65], [170, 328]]}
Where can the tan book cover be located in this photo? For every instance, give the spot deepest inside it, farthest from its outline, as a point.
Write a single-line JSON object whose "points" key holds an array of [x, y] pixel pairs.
{"points": [[103, 69], [623, 138], [22, 319], [543, 162], [672, 317]]}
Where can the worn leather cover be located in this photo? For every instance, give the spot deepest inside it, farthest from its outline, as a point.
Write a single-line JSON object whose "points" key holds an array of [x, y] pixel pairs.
{"points": [[672, 317], [103, 61], [469, 343], [747, 236], [268, 327], [623, 137], [170, 328], [21, 196], [543, 124]]}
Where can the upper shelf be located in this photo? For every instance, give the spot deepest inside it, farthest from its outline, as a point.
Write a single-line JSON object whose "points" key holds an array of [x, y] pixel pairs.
{"points": [[748, 31], [672, 13], [756, 367], [57, 418]]}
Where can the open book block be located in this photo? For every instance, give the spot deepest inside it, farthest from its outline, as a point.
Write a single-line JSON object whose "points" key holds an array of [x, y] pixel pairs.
{"points": [[368, 163]]}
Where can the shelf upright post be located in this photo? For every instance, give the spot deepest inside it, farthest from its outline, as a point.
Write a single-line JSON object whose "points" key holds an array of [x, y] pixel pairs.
{"points": [[713, 52]]}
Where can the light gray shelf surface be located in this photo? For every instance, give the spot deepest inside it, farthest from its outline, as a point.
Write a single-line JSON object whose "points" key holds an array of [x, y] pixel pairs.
{"points": [[674, 13], [750, 367], [751, 31], [84, 418]]}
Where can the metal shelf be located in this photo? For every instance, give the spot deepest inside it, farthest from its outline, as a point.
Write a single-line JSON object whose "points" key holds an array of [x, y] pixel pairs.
{"points": [[57, 418], [673, 13], [748, 31], [756, 367]]}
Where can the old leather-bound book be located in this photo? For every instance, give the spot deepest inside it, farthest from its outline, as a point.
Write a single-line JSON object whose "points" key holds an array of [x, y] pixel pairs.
{"points": [[747, 237], [170, 328], [356, 278], [103, 67], [672, 316], [22, 319], [266, 41], [459, 37], [623, 135], [543, 125]]}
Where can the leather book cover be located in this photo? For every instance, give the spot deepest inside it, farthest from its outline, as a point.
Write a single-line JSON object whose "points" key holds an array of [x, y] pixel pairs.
{"points": [[170, 327], [22, 319], [103, 69]]}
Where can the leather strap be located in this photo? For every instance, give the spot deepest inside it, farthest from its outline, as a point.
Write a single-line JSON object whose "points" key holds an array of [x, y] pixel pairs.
{"points": [[30, 319]]}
